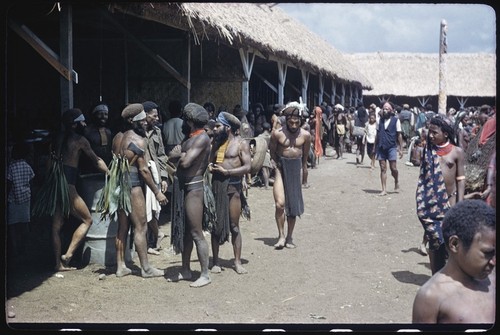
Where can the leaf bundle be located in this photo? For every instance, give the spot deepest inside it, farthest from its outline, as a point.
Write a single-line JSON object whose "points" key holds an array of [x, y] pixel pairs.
{"points": [[53, 192], [116, 192]]}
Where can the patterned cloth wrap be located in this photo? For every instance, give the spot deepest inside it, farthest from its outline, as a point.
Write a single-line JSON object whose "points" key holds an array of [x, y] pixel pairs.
{"points": [[431, 198]]}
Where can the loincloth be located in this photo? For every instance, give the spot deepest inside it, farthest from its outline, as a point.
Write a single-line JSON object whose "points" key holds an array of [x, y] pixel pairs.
{"points": [[135, 178], [290, 169], [191, 183], [220, 187]]}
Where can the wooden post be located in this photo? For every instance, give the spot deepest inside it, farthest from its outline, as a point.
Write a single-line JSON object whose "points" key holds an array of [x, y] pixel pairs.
{"points": [[66, 54], [442, 69]]}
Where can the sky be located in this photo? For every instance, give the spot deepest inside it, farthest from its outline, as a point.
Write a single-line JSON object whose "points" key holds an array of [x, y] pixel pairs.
{"points": [[412, 28]]}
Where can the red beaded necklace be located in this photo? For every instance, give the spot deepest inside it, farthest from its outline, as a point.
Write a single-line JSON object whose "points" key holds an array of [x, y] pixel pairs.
{"points": [[196, 132], [444, 149]]}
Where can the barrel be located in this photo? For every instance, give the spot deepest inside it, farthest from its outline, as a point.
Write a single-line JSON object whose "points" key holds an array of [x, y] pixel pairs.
{"points": [[99, 245]]}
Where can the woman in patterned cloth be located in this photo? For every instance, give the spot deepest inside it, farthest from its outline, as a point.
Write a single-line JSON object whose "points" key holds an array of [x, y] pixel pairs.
{"points": [[441, 184]]}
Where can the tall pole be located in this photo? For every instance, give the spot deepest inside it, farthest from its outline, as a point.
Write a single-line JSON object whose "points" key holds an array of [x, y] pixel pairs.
{"points": [[442, 69]]}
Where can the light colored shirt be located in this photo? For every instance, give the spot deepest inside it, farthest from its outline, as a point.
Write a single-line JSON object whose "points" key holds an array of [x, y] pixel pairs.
{"points": [[172, 131], [371, 132]]}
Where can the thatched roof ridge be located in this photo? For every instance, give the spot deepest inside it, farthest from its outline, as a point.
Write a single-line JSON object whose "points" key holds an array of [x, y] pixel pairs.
{"points": [[417, 74], [269, 30]]}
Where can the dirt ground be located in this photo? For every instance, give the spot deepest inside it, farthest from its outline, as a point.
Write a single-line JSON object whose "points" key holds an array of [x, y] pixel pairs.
{"points": [[356, 266]]}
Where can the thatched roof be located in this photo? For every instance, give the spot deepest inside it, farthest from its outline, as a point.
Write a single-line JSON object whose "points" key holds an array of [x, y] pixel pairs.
{"points": [[257, 25], [417, 75]]}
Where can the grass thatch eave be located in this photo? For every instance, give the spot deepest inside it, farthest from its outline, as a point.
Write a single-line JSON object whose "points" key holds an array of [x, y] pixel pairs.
{"points": [[256, 25]]}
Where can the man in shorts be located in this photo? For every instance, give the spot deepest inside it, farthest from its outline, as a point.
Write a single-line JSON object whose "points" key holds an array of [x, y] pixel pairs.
{"points": [[388, 144]]}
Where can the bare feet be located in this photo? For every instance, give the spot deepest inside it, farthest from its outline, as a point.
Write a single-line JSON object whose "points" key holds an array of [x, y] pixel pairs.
{"points": [[152, 272], [122, 272], [289, 244], [382, 193], [152, 251], [423, 249], [64, 265], [280, 244], [240, 269], [202, 281], [216, 269], [396, 187], [183, 275]]}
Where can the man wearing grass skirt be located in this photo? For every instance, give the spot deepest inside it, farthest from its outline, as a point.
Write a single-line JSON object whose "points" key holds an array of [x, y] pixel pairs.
{"points": [[68, 150], [129, 148]]}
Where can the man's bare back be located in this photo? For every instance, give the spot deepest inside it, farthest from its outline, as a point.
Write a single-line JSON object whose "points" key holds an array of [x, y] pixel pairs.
{"points": [[73, 147]]}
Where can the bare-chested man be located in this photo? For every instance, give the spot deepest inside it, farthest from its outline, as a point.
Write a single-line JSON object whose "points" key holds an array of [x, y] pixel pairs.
{"points": [[464, 290], [289, 148], [187, 223], [441, 184], [69, 146], [131, 145], [231, 160]]}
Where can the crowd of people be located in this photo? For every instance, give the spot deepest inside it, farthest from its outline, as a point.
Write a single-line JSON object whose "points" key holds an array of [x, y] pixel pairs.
{"points": [[197, 163]]}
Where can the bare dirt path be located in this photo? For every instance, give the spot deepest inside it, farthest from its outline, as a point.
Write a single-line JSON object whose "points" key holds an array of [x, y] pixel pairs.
{"points": [[356, 265]]}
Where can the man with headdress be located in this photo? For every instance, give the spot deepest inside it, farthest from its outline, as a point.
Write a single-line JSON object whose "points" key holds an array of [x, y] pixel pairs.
{"points": [[441, 184], [189, 194], [99, 136], [388, 144], [59, 197], [231, 160], [129, 173], [289, 148]]}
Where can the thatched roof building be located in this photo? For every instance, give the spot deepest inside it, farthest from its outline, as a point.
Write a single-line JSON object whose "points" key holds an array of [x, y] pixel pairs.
{"points": [[268, 30], [417, 75]]}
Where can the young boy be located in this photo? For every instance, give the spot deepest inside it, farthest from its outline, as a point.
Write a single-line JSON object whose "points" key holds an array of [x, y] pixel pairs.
{"points": [[369, 139], [19, 176], [463, 291]]}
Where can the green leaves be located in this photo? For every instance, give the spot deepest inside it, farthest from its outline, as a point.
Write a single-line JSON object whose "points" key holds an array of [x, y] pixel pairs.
{"points": [[53, 192], [116, 192]]}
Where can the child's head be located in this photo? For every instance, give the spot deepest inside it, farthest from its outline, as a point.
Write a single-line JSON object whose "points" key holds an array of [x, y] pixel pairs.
{"points": [[372, 118], [466, 218], [20, 150]]}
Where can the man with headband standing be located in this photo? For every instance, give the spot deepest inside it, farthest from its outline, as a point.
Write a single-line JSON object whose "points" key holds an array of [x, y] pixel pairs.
{"points": [[129, 173], [388, 144], [231, 160], [99, 136], [188, 194], [59, 201], [289, 148]]}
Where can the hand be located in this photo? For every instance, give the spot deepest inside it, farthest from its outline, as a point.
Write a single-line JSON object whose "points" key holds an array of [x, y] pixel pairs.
{"points": [[164, 186], [219, 169], [162, 199]]}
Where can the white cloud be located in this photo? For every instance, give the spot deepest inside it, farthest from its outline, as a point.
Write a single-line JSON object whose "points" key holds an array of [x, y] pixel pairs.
{"points": [[399, 27]]}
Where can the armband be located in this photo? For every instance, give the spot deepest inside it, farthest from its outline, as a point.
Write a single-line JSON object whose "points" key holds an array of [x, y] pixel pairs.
{"points": [[459, 178]]}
